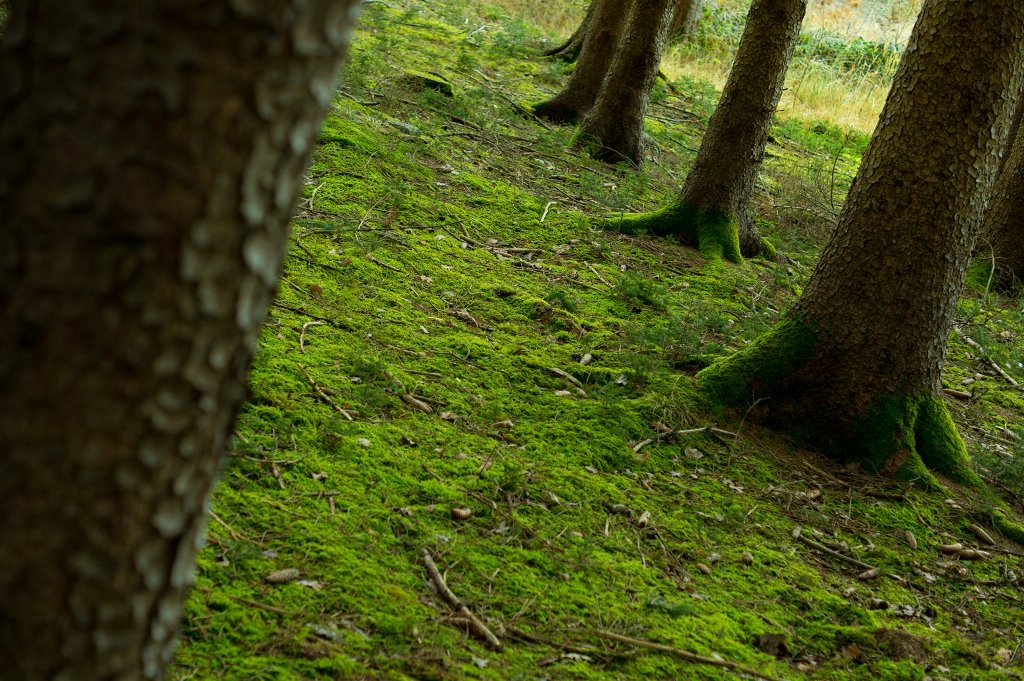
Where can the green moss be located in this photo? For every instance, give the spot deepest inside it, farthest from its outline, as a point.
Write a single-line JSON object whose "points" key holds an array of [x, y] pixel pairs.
{"points": [[737, 380], [768, 251], [909, 436], [900, 436], [1009, 529], [979, 275], [540, 461], [714, 233]]}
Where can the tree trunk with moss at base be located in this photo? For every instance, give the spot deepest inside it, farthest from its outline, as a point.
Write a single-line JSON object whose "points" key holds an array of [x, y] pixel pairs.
{"points": [[151, 156], [613, 129], [855, 366], [711, 212], [605, 20], [1004, 219]]}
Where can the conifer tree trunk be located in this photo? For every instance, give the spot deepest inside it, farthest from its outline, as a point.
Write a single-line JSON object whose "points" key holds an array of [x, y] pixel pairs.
{"points": [[150, 156], [570, 49], [855, 366], [1004, 219], [613, 129], [684, 21], [711, 210], [685, 17], [605, 20]]}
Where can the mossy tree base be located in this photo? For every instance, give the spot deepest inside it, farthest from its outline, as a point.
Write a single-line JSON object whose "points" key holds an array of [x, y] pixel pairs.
{"points": [[901, 436], [557, 112], [714, 232], [1009, 529]]}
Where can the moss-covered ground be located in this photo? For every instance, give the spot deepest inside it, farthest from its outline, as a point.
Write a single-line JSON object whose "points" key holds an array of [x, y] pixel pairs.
{"points": [[458, 361]]}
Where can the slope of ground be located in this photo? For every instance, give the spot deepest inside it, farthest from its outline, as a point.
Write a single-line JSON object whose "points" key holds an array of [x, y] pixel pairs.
{"points": [[460, 370]]}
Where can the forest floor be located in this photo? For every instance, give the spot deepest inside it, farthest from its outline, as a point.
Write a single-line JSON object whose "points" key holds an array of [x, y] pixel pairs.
{"points": [[460, 370]]}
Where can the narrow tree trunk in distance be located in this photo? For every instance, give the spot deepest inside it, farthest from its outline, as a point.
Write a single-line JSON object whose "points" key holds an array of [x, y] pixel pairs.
{"points": [[570, 49], [598, 50], [613, 130], [150, 156], [855, 366], [1004, 220], [685, 18], [711, 211]]}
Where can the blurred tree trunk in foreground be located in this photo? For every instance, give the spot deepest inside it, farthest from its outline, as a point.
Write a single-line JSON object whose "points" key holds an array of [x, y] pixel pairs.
{"points": [[150, 157]]}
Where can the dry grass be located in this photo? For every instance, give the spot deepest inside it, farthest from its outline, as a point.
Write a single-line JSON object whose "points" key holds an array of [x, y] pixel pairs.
{"points": [[814, 91]]}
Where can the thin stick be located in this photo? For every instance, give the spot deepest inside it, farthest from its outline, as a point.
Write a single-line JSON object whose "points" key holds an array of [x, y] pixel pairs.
{"points": [[545, 213], [475, 625], [265, 606], [598, 275], [582, 650], [231, 533], [302, 335], [684, 654], [386, 266], [835, 554], [991, 362], [323, 395], [325, 320], [643, 443]]}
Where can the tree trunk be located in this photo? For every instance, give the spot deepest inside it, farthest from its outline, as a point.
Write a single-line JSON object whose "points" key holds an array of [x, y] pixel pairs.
{"points": [[685, 18], [855, 366], [711, 211], [598, 49], [150, 157], [613, 129], [1004, 226], [570, 49]]}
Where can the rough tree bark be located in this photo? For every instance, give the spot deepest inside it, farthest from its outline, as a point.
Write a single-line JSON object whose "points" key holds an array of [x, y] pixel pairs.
{"points": [[613, 129], [711, 212], [598, 49], [855, 366], [1004, 219], [150, 157]]}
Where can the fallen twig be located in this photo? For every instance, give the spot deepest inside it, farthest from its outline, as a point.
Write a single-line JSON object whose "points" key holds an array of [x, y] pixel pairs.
{"points": [[991, 362], [568, 647], [323, 395], [231, 532], [684, 654], [475, 625], [545, 213], [598, 275], [835, 554], [302, 335], [330, 322], [265, 606], [386, 266]]}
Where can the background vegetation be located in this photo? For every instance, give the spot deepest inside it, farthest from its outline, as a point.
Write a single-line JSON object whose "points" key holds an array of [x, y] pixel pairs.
{"points": [[841, 71]]}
